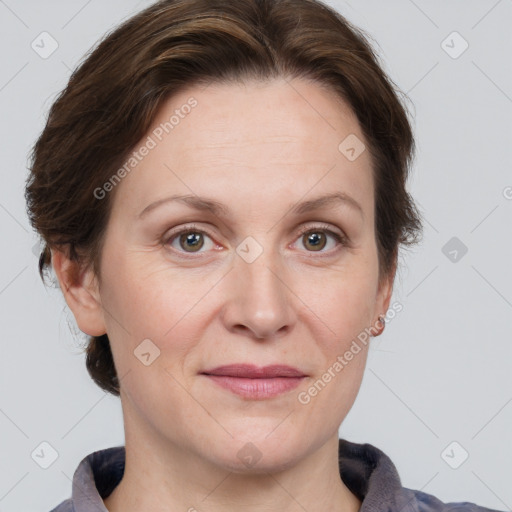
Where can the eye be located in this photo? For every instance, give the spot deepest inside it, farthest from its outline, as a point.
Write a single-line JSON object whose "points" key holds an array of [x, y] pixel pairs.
{"points": [[190, 240], [316, 238]]}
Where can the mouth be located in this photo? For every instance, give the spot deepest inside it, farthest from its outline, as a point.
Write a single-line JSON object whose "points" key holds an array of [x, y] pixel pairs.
{"points": [[250, 371], [256, 383]]}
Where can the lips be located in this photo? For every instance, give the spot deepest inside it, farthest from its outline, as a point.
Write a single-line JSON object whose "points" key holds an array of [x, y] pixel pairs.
{"points": [[256, 382], [249, 371]]}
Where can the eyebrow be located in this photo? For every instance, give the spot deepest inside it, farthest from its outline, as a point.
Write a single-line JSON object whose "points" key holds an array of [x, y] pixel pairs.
{"points": [[220, 210]]}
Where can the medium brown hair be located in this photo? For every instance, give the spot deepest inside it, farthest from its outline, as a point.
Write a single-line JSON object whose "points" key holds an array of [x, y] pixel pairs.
{"points": [[112, 98]]}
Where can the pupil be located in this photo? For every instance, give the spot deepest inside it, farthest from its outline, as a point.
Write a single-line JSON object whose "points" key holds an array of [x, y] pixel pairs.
{"points": [[315, 240], [193, 240]]}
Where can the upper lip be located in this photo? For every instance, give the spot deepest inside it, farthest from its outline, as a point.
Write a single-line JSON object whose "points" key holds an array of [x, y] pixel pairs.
{"points": [[251, 371]]}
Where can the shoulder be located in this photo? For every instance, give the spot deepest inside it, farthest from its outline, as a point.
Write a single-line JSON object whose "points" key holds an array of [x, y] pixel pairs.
{"points": [[371, 475], [65, 506], [95, 477], [419, 501]]}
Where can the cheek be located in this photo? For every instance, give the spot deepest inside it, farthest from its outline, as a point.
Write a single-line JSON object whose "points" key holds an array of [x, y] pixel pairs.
{"points": [[342, 302], [345, 305], [144, 300], [151, 333], [327, 399], [147, 298]]}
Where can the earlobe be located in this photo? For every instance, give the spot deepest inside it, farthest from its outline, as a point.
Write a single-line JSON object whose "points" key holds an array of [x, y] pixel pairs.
{"points": [[81, 292], [385, 292]]}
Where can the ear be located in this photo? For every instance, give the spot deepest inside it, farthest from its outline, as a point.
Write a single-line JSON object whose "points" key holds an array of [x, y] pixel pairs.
{"points": [[81, 291], [385, 290]]}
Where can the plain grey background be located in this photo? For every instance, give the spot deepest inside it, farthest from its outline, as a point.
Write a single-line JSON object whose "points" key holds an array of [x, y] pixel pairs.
{"points": [[439, 374]]}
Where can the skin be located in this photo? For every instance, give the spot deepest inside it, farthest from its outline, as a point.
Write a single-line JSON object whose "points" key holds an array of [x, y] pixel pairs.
{"points": [[259, 149]]}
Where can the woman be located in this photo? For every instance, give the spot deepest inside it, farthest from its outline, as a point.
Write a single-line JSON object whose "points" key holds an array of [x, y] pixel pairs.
{"points": [[222, 191]]}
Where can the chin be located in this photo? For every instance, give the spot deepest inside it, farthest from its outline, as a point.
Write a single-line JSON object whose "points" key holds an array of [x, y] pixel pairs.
{"points": [[260, 454]]}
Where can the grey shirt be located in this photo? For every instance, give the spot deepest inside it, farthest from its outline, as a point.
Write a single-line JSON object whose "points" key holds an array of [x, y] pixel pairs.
{"points": [[365, 470]]}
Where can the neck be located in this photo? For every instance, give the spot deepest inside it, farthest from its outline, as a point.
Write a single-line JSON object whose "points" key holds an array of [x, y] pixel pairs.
{"points": [[162, 478]]}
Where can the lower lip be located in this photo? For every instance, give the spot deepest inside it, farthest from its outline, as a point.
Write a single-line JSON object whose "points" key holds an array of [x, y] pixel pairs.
{"points": [[257, 389]]}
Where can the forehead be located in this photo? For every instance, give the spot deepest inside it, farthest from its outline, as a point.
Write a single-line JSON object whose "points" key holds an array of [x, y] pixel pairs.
{"points": [[274, 141]]}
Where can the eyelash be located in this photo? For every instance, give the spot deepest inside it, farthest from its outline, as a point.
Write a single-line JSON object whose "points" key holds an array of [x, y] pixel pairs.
{"points": [[323, 228]]}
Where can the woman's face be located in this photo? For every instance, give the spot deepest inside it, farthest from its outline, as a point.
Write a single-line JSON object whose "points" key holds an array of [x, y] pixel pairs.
{"points": [[186, 288]]}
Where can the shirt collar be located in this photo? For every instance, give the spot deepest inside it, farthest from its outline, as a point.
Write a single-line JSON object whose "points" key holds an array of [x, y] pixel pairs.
{"points": [[367, 471]]}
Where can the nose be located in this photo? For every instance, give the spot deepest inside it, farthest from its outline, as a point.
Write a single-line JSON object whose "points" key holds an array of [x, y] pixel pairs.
{"points": [[259, 302]]}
